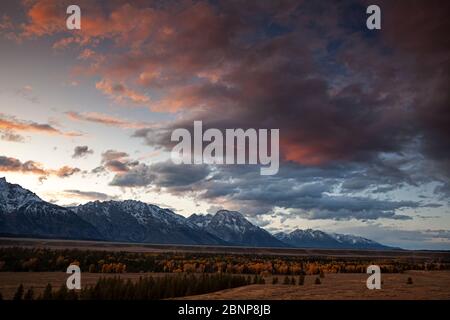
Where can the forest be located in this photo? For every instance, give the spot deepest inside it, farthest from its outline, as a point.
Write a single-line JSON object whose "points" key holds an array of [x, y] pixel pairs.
{"points": [[19, 259], [146, 288]]}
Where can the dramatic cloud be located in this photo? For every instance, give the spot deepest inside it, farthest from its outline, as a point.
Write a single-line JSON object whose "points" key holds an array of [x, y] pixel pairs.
{"points": [[363, 115], [81, 151], [311, 200], [140, 176], [318, 82], [310, 195], [176, 178]]}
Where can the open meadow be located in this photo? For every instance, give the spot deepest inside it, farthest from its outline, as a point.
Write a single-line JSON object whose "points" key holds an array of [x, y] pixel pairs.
{"points": [[201, 272]]}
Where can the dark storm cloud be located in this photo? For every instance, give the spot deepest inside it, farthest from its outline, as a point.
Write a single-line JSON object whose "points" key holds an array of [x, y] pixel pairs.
{"points": [[175, 178], [312, 195], [342, 96], [340, 101], [345, 95], [307, 195], [379, 176], [140, 176], [81, 151], [419, 61], [443, 191], [309, 200], [336, 90]]}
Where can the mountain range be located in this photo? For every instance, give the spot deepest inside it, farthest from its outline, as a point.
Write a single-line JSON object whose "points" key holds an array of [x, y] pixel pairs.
{"points": [[23, 213], [318, 239]]}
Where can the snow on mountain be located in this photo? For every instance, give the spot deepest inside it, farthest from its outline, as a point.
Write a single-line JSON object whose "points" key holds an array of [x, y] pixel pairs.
{"points": [[23, 213], [135, 221], [234, 228], [13, 196], [351, 239], [318, 239]]}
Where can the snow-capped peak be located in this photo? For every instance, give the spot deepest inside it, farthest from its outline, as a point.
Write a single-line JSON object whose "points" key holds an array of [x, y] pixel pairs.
{"points": [[141, 211], [13, 196], [319, 239], [347, 238]]}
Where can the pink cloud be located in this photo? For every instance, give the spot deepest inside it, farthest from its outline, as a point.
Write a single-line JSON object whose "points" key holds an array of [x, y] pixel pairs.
{"points": [[108, 120]]}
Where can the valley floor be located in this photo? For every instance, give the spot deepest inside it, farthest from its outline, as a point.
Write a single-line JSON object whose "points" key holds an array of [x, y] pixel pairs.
{"points": [[426, 285], [155, 248]]}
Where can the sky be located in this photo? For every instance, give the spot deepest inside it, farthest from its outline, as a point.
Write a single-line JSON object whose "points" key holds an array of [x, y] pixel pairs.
{"points": [[363, 115]]}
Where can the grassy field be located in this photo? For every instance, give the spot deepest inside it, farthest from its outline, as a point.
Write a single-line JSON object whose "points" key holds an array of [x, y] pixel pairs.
{"points": [[425, 286], [9, 281]]}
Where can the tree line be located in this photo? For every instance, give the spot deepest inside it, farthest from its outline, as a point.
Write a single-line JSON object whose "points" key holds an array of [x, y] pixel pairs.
{"points": [[146, 288], [17, 259]]}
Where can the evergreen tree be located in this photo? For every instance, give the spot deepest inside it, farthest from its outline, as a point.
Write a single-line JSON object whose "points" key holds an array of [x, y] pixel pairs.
{"points": [[275, 280], [317, 281], [72, 295], [62, 293], [293, 281], [409, 281], [19, 293], [47, 294], [157, 288], [29, 295], [286, 280], [301, 280]]}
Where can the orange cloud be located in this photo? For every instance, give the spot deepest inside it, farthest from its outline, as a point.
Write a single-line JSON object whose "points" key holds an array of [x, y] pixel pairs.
{"points": [[9, 164], [11, 124], [105, 119], [302, 154], [120, 93], [45, 17], [65, 171], [32, 126]]}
